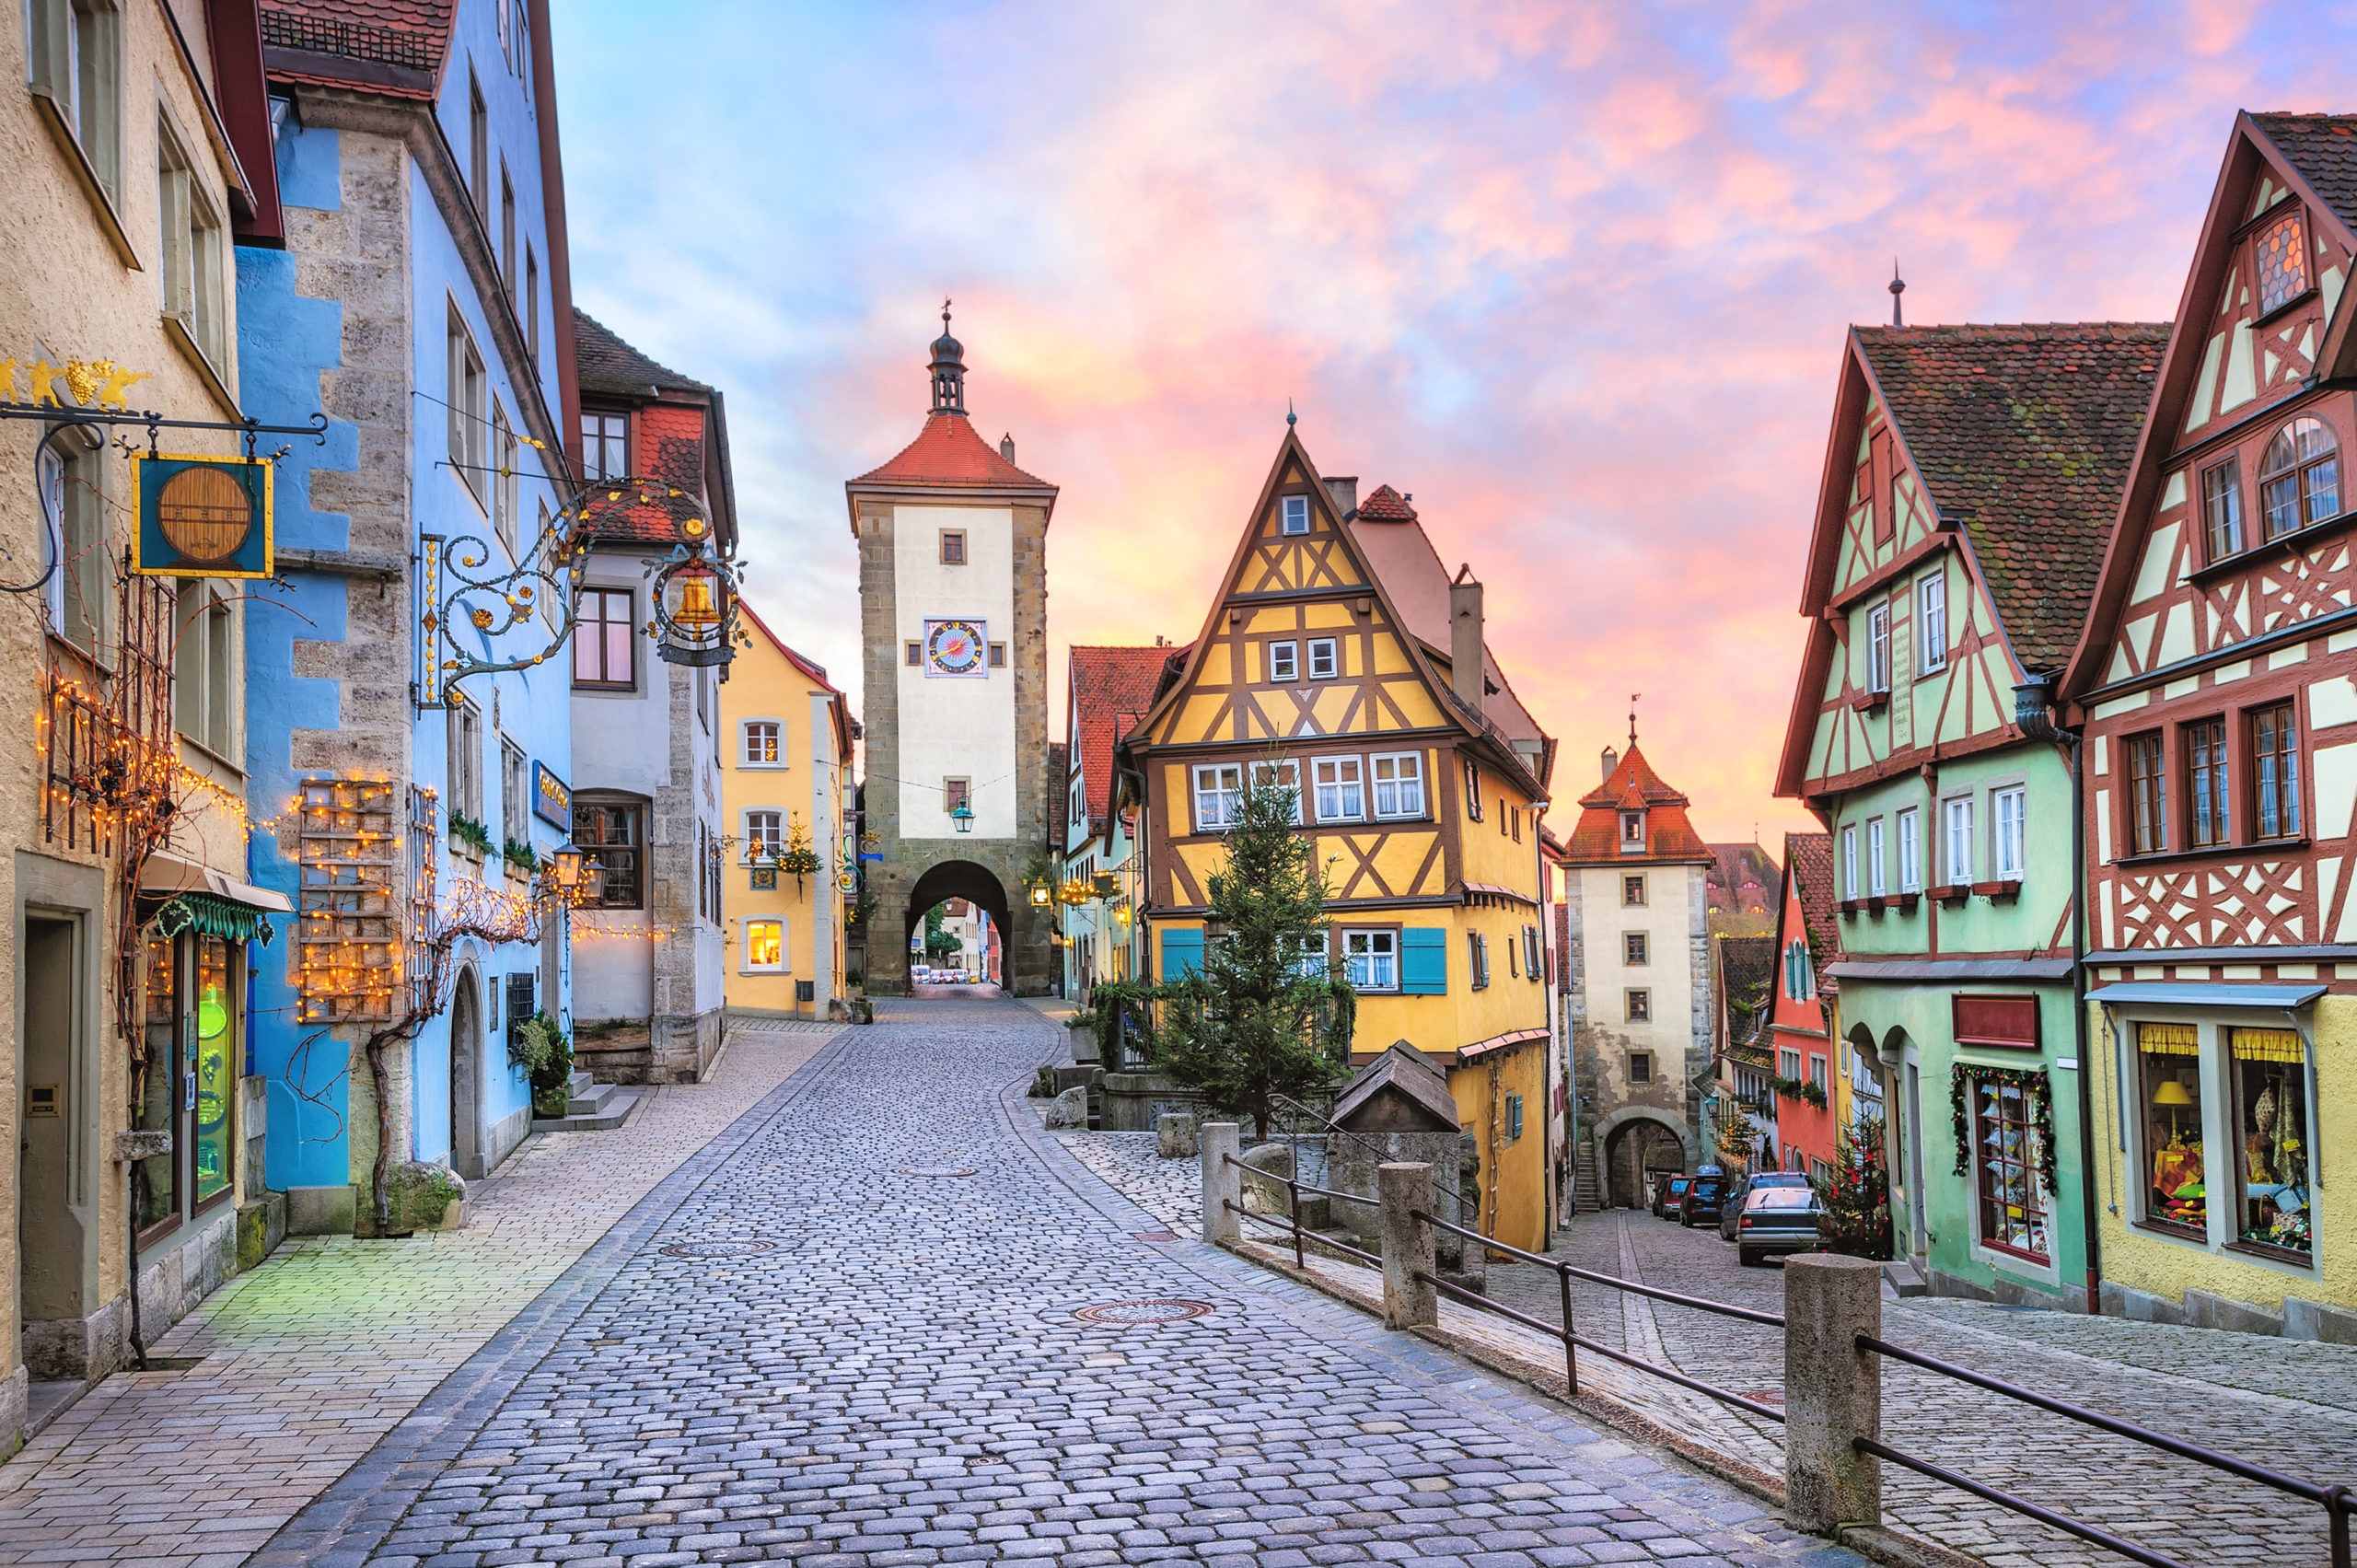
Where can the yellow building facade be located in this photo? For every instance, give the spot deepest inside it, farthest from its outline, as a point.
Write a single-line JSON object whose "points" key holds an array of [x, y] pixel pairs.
{"points": [[787, 800], [1342, 660]]}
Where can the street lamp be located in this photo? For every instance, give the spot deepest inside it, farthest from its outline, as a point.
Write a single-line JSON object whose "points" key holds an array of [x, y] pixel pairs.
{"points": [[1041, 895], [963, 816], [566, 867]]}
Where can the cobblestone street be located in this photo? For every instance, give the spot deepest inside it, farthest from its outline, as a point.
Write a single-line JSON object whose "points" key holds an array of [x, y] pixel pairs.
{"points": [[850, 1332], [2290, 1404]]}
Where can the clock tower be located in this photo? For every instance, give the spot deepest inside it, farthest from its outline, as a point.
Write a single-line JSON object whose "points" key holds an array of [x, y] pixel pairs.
{"points": [[953, 590]]}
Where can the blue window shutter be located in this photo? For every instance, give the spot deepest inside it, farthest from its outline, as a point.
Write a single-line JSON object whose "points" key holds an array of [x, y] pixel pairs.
{"points": [[1424, 962], [1182, 954]]}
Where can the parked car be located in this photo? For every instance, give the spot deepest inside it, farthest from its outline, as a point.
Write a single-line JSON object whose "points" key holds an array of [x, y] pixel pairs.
{"points": [[1704, 1197], [1775, 1219], [1744, 1186], [1668, 1194]]}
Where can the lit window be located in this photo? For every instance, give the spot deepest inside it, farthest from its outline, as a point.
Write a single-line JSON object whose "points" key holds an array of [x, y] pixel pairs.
{"points": [[2005, 1161], [761, 743], [610, 834], [765, 944], [2281, 255], [1632, 832], [2299, 480], [1342, 790], [1284, 662], [1296, 514], [1931, 622], [1399, 784], [2267, 1083], [2169, 1069], [1323, 664]]}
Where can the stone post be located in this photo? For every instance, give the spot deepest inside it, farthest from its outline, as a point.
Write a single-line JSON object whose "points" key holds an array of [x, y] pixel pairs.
{"points": [[1408, 1302], [1832, 1391], [1223, 1182]]}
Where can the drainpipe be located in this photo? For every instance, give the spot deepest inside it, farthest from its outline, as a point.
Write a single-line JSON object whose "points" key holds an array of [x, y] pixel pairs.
{"points": [[2033, 715]]}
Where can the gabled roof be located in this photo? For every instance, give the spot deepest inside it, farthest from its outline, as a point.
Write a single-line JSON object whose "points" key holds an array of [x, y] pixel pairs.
{"points": [[2323, 148], [1385, 505], [1808, 864], [1632, 786], [1112, 688], [846, 727], [603, 362], [2025, 434], [949, 452], [1398, 1091], [396, 47]]}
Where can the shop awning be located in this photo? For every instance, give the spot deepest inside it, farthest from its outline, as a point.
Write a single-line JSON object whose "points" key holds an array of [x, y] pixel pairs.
{"points": [[190, 896], [2191, 993]]}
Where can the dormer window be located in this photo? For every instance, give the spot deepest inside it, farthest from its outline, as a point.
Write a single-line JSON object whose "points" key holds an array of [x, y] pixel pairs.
{"points": [[1633, 832], [2299, 480], [2280, 256], [1296, 514]]}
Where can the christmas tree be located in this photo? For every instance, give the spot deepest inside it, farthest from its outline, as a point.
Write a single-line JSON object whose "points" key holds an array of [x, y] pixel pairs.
{"points": [[1856, 1202]]}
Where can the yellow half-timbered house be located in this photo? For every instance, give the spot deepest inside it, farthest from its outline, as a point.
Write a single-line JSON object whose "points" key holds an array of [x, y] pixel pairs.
{"points": [[1342, 659]]}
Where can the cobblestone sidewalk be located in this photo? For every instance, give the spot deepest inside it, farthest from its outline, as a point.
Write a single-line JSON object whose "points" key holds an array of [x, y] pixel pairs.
{"points": [[312, 1357], [2290, 1404]]}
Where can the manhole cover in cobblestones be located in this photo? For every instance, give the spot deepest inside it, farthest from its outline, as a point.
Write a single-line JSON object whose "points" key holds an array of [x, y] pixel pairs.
{"points": [[933, 1170], [1140, 1312], [717, 1249]]}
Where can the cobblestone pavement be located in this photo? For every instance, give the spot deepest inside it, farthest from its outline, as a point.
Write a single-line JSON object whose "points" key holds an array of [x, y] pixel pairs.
{"points": [[312, 1357], [2288, 1404], [846, 1334]]}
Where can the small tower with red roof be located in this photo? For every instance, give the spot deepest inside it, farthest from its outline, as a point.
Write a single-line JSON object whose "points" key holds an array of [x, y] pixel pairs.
{"points": [[953, 591], [1633, 914]]}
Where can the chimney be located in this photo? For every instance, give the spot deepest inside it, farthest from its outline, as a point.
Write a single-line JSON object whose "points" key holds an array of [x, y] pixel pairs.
{"points": [[1006, 447], [1467, 674], [1611, 761], [1343, 490]]}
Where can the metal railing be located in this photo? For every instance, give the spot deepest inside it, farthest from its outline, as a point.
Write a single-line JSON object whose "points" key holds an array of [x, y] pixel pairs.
{"points": [[1574, 1341], [1447, 1194], [2334, 1500], [1294, 1189]]}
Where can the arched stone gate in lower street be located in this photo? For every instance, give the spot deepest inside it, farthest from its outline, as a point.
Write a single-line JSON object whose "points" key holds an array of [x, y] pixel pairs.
{"points": [[976, 884], [984, 874], [1636, 1139]]}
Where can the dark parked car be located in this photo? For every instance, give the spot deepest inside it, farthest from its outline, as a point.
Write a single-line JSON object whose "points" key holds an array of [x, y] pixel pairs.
{"points": [[1668, 1194], [1775, 1219], [1745, 1186], [1702, 1201]]}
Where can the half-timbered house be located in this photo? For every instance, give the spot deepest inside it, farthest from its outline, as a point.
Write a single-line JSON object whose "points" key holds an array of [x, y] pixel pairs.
{"points": [[1970, 480], [1342, 659], [1108, 692], [2218, 687]]}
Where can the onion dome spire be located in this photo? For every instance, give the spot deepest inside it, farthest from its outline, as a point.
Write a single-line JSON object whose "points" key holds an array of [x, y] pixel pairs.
{"points": [[949, 370]]}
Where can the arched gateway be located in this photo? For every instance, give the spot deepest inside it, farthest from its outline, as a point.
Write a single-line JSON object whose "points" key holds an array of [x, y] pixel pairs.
{"points": [[953, 593]]}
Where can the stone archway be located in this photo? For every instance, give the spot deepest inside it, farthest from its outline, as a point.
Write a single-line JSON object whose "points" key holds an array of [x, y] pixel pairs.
{"points": [[1634, 1140], [976, 884], [466, 1077]]}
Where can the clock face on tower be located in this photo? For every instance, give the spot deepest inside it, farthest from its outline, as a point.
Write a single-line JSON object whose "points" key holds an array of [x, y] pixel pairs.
{"points": [[955, 647]]}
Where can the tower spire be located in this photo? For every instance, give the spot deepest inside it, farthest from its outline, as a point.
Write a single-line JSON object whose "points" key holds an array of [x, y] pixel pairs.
{"points": [[949, 370], [1898, 287], [1633, 718]]}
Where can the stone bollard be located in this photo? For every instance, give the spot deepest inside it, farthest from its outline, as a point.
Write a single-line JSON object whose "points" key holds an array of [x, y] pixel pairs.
{"points": [[1832, 1391], [1408, 1302], [1223, 1183], [1174, 1135]]}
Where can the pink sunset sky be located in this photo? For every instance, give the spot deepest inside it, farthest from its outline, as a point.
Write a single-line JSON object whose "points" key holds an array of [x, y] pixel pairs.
{"points": [[1576, 276]]}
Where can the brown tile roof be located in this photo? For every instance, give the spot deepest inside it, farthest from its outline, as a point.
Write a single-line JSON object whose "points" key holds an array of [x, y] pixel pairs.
{"points": [[2322, 147], [947, 451], [603, 362], [1111, 690], [2025, 434], [1808, 860], [394, 47], [1386, 505], [1737, 865], [1632, 784], [1747, 982]]}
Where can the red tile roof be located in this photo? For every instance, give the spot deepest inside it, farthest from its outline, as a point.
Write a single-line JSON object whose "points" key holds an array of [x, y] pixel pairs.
{"points": [[1386, 505], [1111, 690], [949, 452], [1809, 861], [393, 47], [1634, 785], [2322, 147]]}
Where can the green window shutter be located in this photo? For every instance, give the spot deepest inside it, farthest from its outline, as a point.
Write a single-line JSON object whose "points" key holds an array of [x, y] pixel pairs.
{"points": [[1182, 954], [1424, 962]]}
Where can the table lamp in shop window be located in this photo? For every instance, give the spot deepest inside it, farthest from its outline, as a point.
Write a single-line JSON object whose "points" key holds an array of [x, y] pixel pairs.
{"points": [[2172, 1095]]}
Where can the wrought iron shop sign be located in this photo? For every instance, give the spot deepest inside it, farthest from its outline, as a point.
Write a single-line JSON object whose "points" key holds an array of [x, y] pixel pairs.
{"points": [[202, 516]]}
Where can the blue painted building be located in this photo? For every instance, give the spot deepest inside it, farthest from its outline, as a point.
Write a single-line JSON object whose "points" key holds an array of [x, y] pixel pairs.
{"points": [[415, 303]]}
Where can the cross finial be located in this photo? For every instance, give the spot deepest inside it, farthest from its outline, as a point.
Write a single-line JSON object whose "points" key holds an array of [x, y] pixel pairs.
{"points": [[1632, 716], [1898, 287], [944, 313]]}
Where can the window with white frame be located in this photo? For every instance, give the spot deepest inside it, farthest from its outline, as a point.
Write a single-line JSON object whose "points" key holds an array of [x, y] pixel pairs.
{"points": [[1957, 841], [72, 474], [1341, 788], [1877, 876], [764, 746], [1399, 784], [764, 836], [1478, 951], [1788, 1065], [1371, 959], [1816, 1071], [1878, 648], [1850, 862], [2007, 810], [76, 64], [1219, 796], [1285, 775], [765, 944], [1284, 661], [1931, 621], [1324, 663], [193, 256], [1296, 514], [1530, 951], [205, 686], [1911, 851], [467, 394], [605, 447]]}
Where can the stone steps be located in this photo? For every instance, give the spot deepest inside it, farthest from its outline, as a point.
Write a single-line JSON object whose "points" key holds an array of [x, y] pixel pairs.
{"points": [[591, 1106]]}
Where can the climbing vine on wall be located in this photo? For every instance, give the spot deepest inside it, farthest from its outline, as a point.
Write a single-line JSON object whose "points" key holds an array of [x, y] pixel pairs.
{"points": [[2031, 1082]]}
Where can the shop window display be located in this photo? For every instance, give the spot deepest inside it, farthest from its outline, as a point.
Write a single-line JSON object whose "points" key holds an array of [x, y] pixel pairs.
{"points": [[2177, 1192], [194, 1051], [2269, 1083], [2006, 1158], [212, 1068]]}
